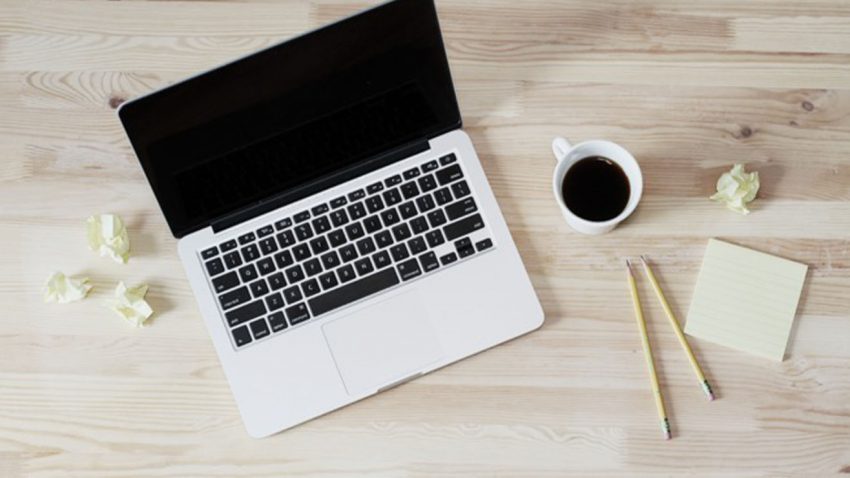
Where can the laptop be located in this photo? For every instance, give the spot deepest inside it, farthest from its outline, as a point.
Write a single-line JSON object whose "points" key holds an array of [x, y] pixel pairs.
{"points": [[333, 219]]}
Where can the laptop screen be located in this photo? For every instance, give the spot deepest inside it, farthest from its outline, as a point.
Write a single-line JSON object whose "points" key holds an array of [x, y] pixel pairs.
{"points": [[294, 113]]}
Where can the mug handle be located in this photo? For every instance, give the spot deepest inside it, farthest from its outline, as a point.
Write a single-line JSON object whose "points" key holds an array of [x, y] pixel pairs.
{"points": [[560, 147]]}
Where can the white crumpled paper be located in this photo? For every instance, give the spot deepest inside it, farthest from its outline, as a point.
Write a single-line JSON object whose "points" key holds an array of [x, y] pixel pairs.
{"points": [[130, 304], [107, 235], [736, 188], [63, 289]]}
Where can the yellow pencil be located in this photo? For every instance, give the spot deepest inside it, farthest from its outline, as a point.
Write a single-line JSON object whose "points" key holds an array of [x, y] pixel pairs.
{"points": [[647, 352], [676, 328]]}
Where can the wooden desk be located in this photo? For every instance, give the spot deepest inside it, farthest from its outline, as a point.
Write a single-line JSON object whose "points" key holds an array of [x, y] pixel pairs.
{"points": [[688, 87]]}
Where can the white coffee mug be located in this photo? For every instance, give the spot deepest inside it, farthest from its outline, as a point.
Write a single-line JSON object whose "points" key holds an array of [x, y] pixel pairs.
{"points": [[567, 155]]}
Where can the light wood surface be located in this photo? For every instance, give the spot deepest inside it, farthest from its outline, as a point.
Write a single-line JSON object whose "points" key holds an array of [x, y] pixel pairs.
{"points": [[688, 87]]}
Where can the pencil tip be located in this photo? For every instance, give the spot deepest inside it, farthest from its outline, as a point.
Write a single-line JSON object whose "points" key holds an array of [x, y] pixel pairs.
{"points": [[643, 259], [629, 266]]}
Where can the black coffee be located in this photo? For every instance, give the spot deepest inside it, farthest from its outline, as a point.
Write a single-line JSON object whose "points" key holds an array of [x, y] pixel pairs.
{"points": [[596, 189]]}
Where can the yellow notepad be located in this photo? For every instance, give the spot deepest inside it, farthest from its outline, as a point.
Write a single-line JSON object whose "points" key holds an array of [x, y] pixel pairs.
{"points": [[745, 299]]}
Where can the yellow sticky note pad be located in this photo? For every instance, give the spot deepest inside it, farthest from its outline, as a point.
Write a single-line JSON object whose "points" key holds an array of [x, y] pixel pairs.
{"points": [[745, 299]]}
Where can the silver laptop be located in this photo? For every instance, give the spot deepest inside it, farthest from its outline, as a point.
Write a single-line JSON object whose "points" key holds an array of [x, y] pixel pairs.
{"points": [[334, 221]]}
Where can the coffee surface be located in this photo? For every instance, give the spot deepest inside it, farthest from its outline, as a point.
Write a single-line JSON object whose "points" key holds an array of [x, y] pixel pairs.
{"points": [[596, 188]]}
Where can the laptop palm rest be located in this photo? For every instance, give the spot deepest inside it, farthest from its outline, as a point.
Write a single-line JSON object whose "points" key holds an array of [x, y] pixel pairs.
{"points": [[384, 344]]}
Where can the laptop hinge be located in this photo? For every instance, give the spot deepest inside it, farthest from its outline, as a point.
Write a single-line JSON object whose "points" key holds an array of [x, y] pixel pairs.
{"points": [[291, 195]]}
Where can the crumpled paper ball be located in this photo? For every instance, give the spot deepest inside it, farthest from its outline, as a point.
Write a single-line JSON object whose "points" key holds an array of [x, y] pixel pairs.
{"points": [[736, 188], [107, 236], [130, 304], [63, 289]]}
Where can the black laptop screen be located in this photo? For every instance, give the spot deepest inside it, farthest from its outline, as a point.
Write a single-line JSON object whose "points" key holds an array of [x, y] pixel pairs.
{"points": [[294, 113]]}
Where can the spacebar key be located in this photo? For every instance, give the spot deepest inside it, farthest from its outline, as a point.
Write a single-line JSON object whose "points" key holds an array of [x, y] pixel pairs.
{"points": [[353, 291]]}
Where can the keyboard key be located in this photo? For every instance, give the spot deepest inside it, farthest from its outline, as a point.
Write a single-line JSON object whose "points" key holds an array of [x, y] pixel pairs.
{"points": [[461, 208], [233, 298], [249, 253], [283, 259], [232, 259], [463, 227], [303, 232], [277, 322], [401, 232], [346, 273], [417, 245], [390, 217], [356, 211], [283, 224], [321, 225], [294, 274], [265, 266], [392, 180], [460, 189], [328, 280], [355, 195], [301, 216], [339, 202], [348, 253], [211, 252], [373, 188], [215, 267], [411, 173], [259, 288], [449, 158], [227, 245], [246, 238], [339, 218], [384, 239], [310, 287], [297, 313], [274, 301], [286, 238], [464, 247], [354, 231], [225, 282], [407, 210], [418, 225], [312, 267], [425, 203], [268, 245], [319, 210], [429, 261], [448, 258], [399, 252], [265, 231], [449, 174], [330, 260], [429, 166], [319, 245], [248, 273], [242, 336], [392, 197], [442, 196], [436, 218], [374, 204], [372, 224], [259, 328], [409, 269], [277, 281], [292, 294], [365, 246], [354, 291], [364, 266], [337, 238], [483, 244], [435, 238], [381, 259], [301, 252], [409, 190], [427, 183], [245, 313]]}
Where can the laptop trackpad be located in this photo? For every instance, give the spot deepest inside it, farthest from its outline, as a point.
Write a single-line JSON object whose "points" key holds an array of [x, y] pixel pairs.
{"points": [[380, 345]]}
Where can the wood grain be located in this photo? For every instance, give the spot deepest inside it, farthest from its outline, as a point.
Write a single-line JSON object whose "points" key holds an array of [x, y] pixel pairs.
{"points": [[688, 87]]}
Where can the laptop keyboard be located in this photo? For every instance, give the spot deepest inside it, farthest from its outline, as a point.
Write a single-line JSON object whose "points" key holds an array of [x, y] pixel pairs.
{"points": [[356, 245]]}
